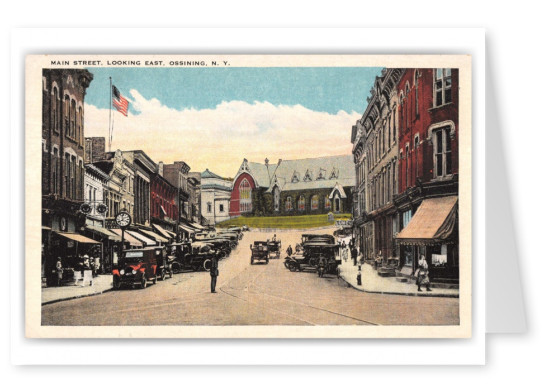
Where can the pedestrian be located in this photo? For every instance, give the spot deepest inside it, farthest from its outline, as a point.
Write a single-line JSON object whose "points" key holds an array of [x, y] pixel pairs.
{"points": [[359, 276], [289, 250], [297, 248], [354, 255], [274, 239], [213, 274], [59, 271], [87, 278], [423, 274]]}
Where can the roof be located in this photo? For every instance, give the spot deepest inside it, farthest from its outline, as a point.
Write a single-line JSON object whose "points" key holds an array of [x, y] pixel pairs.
{"points": [[304, 174], [155, 236], [104, 165], [434, 222], [210, 174]]}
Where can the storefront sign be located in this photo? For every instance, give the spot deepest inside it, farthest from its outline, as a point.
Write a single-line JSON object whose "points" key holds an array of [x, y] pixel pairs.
{"points": [[343, 223]]}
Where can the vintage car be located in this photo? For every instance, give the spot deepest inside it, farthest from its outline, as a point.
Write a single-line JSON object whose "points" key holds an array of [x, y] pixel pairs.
{"points": [[222, 246], [274, 246], [259, 250], [316, 255], [318, 238], [191, 256], [137, 267], [236, 229], [164, 265]]}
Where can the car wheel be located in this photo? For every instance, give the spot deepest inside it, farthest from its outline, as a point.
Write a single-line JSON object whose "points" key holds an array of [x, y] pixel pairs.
{"points": [[206, 264], [143, 283], [292, 267]]}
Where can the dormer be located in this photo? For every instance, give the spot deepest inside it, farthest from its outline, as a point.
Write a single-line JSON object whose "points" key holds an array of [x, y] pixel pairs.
{"points": [[308, 176], [295, 178], [321, 175], [334, 173]]}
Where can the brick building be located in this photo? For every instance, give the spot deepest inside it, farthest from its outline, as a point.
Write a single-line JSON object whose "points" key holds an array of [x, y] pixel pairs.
{"points": [[429, 162], [164, 201], [63, 93]]}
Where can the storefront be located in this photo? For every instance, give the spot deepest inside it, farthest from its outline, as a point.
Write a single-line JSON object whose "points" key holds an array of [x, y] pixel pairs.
{"points": [[111, 245], [432, 232]]}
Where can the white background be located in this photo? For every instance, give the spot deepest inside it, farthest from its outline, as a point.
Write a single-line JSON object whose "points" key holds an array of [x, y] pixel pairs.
{"points": [[517, 50]]}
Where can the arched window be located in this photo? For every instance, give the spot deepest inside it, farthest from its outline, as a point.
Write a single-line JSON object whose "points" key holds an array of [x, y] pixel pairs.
{"points": [[327, 202], [289, 204], [416, 85], [73, 118], [276, 198], [301, 203], [314, 202], [55, 116], [245, 198]]}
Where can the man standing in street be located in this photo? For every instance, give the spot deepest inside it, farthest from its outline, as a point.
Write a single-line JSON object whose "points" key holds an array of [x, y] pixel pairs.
{"points": [[213, 274], [354, 254]]}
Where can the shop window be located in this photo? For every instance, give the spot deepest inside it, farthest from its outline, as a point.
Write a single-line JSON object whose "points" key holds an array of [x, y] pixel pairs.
{"points": [[442, 152], [442, 86]]}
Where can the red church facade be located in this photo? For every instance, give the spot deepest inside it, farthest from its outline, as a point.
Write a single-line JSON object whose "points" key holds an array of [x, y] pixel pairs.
{"points": [[241, 195]]}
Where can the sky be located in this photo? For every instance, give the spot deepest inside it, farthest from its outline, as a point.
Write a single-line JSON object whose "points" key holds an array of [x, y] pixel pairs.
{"points": [[214, 117]]}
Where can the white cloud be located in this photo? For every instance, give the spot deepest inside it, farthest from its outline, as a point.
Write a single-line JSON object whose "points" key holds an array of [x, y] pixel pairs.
{"points": [[220, 138]]}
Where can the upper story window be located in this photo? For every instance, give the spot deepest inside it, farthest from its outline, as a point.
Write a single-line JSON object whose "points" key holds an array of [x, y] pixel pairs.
{"points": [[55, 110], [295, 179], [416, 85], [209, 207], [442, 151], [442, 86]]}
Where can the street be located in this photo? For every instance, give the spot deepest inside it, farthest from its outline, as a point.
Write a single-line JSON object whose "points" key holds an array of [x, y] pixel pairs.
{"points": [[258, 294]]}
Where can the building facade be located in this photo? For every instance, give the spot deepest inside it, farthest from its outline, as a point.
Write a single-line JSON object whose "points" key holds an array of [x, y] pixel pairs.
{"points": [[375, 150], [194, 186], [164, 201], [215, 197], [294, 187], [429, 167], [95, 183], [63, 93]]}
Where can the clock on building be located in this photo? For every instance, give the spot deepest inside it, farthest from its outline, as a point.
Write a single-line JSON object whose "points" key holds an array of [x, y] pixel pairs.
{"points": [[123, 219]]}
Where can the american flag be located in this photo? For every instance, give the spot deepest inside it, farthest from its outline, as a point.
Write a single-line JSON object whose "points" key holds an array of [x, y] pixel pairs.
{"points": [[120, 102]]}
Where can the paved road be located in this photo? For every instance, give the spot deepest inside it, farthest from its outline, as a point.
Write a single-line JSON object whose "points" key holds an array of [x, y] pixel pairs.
{"points": [[259, 294]]}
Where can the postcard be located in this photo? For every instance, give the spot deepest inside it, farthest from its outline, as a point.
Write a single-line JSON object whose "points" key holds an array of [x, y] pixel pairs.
{"points": [[248, 196]]}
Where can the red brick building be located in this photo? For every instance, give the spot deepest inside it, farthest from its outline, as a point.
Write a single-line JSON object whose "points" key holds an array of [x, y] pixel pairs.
{"points": [[164, 197], [428, 177]]}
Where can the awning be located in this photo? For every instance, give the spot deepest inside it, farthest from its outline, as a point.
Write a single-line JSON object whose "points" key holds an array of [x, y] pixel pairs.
{"points": [[172, 234], [77, 238], [433, 223], [46, 228], [198, 226], [161, 230], [154, 235], [128, 238], [189, 230], [144, 239], [104, 232]]}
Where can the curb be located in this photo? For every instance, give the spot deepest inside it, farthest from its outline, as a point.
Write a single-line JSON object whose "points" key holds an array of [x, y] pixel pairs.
{"points": [[449, 295], [76, 297]]}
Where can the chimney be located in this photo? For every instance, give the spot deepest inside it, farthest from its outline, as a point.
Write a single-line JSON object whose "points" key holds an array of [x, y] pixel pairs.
{"points": [[160, 168]]}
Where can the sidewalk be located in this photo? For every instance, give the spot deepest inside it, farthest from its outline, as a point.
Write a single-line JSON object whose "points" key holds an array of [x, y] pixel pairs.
{"points": [[373, 283], [102, 283]]}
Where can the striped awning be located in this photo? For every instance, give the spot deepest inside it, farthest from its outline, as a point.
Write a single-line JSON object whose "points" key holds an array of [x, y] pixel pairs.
{"points": [[433, 222], [142, 238], [161, 230], [104, 232], [154, 236], [188, 229], [127, 238]]}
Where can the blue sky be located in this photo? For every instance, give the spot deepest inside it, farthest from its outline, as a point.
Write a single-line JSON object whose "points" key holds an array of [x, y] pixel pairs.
{"points": [[214, 117], [320, 89]]}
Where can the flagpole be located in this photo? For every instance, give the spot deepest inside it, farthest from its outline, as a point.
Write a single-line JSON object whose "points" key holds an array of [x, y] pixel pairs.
{"points": [[110, 104]]}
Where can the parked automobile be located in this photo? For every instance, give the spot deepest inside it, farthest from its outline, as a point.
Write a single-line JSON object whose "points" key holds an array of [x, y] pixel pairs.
{"points": [[259, 251], [192, 256], [138, 267]]}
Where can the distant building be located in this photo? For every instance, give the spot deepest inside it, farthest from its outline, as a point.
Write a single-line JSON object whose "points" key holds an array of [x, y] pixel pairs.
{"points": [[291, 187], [215, 197]]}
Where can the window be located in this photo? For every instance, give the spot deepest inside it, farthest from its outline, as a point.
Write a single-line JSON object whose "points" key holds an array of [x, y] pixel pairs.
{"points": [[327, 202], [394, 177], [276, 198], [55, 115], [72, 131], [245, 198], [295, 179], [307, 176], [442, 86], [288, 204], [209, 207], [407, 165], [301, 203], [221, 207], [394, 124], [416, 147], [416, 81], [54, 172], [408, 111], [314, 202], [67, 171], [442, 152], [321, 174], [334, 173]]}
